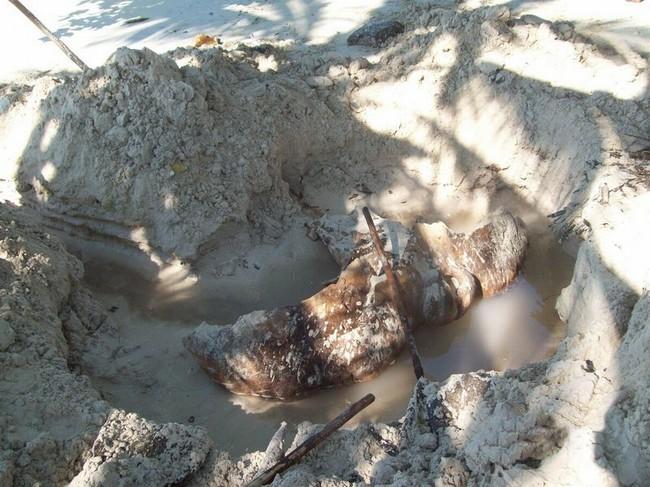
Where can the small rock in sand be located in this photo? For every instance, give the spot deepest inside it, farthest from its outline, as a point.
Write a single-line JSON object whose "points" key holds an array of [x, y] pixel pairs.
{"points": [[358, 64], [7, 335], [319, 81], [374, 34], [428, 441]]}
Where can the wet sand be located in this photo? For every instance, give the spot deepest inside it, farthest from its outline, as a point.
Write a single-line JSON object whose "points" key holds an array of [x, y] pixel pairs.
{"points": [[155, 376]]}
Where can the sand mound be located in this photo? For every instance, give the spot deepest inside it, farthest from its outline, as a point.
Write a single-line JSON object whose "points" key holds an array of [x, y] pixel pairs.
{"points": [[161, 156]]}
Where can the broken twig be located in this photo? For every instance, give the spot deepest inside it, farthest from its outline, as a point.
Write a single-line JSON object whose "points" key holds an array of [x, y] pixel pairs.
{"points": [[50, 34], [313, 441], [397, 295]]}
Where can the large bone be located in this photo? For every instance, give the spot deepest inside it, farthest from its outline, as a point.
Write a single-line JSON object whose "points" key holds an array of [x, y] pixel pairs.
{"points": [[350, 330]]}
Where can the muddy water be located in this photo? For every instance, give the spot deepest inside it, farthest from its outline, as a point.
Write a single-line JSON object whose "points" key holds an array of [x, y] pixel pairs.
{"points": [[152, 373]]}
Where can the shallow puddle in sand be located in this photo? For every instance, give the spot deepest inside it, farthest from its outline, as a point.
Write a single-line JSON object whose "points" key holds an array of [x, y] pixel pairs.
{"points": [[153, 375]]}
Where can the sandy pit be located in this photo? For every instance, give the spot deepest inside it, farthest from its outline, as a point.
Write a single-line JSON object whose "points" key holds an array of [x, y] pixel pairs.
{"points": [[158, 191], [154, 375]]}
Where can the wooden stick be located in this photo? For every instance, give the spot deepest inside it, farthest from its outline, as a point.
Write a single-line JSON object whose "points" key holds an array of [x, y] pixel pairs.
{"points": [[312, 442], [50, 34], [397, 295]]}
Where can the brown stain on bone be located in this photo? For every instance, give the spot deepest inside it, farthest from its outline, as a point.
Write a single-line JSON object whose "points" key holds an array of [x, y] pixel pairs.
{"points": [[350, 331]]}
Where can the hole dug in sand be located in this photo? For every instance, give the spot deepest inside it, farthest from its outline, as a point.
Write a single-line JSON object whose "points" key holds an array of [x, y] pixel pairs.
{"points": [[153, 374]]}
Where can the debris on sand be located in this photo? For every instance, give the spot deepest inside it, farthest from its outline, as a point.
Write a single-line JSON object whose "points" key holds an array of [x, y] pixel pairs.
{"points": [[375, 34], [206, 40]]}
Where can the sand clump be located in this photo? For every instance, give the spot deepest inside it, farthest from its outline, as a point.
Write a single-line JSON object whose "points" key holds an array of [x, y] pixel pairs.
{"points": [[50, 413], [133, 451], [172, 154]]}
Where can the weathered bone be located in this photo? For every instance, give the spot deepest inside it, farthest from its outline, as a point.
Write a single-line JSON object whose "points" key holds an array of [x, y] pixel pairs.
{"points": [[350, 330]]}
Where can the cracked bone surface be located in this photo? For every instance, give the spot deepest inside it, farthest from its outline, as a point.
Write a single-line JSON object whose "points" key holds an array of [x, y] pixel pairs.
{"points": [[350, 330]]}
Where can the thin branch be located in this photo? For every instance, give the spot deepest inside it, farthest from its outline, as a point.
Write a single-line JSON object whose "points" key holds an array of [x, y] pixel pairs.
{"points": [[312, 442], [50, 34], [398, 301]]}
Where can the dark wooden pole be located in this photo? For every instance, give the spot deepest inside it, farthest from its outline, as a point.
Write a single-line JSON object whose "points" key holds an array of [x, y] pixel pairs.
{"points": [[312, 442], [50, 34], [398, 301]]}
